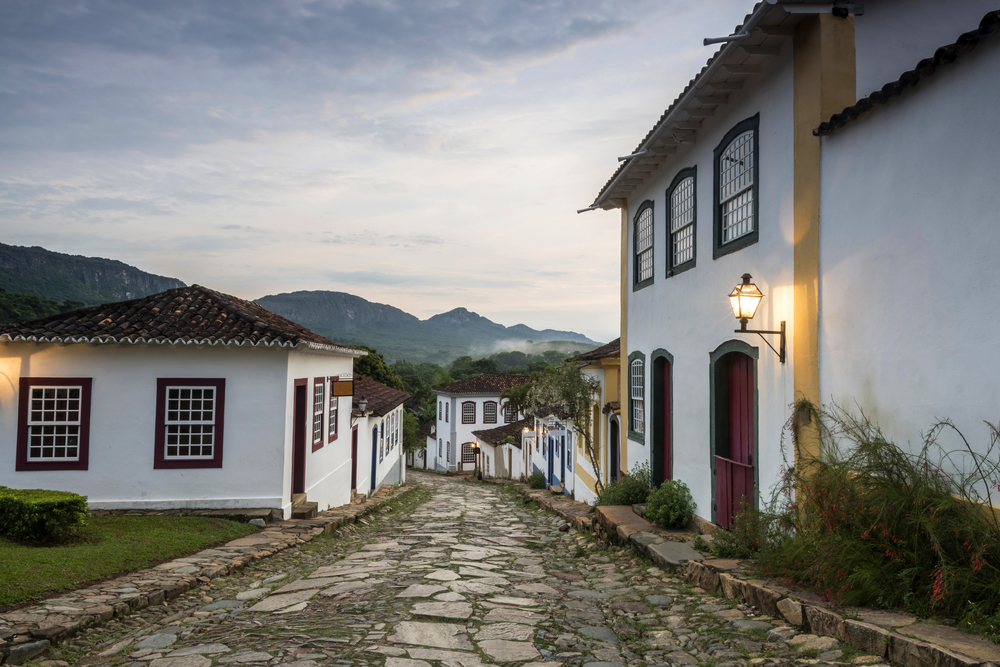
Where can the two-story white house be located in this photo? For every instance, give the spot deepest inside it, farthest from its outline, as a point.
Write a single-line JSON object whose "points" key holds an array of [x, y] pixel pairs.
{"points": [[377, 435], [466, 406], [841, 157]]}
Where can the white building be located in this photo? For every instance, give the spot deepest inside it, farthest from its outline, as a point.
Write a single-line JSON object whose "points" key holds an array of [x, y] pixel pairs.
{"points": [[502, 450], [466, 406], [867, 219], [188, 398], [377, 435], [603, 364]]}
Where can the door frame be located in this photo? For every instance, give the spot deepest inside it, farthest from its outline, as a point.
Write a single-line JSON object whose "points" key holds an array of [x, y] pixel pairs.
{"points": [[299, 430], [354, 458], [662, 382], [374, 456], [716, 356], [614, 448]]}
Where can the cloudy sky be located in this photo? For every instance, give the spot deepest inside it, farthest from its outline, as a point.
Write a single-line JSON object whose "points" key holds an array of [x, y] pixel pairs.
{"points": [[428, 154]]}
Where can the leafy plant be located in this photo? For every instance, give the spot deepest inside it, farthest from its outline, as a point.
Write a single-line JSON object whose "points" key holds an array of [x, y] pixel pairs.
{"points": [[629, 489], [670, 505], [536, 480], [751, 530]]}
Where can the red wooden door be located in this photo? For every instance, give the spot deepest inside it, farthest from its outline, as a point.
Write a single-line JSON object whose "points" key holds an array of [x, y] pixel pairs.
{"points": [[734, 474], [354, 459], [299, 439], [667, 451]]}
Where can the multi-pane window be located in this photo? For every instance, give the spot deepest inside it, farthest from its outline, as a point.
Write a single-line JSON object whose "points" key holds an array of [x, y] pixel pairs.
{"points": [[644, 244], [332, 424], [446, 411], [439, 409], [319, 400], [736, 180], [489, 412], [468, 454], [469, 412], [440, 447], [509, 414], [681, 211], [447, 453], [54, 421], [637, 395], [189, 423]]}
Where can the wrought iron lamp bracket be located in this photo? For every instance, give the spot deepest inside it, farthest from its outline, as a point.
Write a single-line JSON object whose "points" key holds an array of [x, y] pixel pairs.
{"points": [[781, 344]]}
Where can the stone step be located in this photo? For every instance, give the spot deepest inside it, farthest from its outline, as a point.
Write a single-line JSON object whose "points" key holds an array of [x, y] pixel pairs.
{"points": [[305, 510], [555, 488], [298, 499]]}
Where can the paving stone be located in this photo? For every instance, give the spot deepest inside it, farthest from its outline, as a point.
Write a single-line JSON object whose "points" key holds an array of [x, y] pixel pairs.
{"points": [[457, 610], [201, 649], [600, 633], [304, 584], [442, 575], [421, 591], [748, 625], [405, 662], [503, 650], [222, 604], [437, 635], [660, 600], [182, 661], [446, 657], [501, 615], [246, 657], [255, 594], [156, 641], [508, 631], [276, 602]]}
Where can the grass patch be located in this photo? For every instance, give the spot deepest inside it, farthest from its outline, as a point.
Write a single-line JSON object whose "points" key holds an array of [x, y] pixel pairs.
{"points": [[106, 546]]}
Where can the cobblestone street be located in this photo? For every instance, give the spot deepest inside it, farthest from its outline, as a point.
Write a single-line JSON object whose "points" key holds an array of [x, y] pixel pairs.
{"points": [[455, 574]]}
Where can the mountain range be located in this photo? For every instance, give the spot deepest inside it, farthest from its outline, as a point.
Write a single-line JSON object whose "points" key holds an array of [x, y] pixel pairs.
{"points": [[397, 334], [341, 317]]}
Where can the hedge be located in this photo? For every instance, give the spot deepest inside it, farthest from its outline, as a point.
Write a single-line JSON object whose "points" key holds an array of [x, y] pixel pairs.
{"points": [[38, 515]]}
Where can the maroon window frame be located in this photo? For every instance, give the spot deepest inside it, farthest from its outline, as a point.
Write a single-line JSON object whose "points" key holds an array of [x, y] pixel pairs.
{"points": [[316, 433], [160, 462], [490, 412], [22, 464], [332, 432], [466, 418]]}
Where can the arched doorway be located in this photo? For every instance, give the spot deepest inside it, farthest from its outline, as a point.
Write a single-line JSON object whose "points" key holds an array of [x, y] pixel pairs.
{"points": [[734, 428], [662, 451]]}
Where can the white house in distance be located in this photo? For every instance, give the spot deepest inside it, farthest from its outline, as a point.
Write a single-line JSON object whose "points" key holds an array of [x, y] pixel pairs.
{"points": [[377, 435], [867, 219], [553, 456], [502, 450], [187, 398], [466, 406]]}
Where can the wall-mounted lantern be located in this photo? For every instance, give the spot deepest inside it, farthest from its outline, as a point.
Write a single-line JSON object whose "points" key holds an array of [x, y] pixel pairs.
{"points": [[362, 407], [744, 299]]}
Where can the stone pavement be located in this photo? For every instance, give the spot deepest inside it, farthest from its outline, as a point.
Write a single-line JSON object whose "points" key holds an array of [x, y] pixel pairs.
{"points": [[459, 574]]}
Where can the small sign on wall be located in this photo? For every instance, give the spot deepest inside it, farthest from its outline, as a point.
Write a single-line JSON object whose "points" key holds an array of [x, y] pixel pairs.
{"points": [[341, 387]]}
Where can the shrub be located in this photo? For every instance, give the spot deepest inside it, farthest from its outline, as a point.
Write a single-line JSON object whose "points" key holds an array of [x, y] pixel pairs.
{"points": [[629, 489], [671, 505], [750, 532], [536, 480], [37, 515]]}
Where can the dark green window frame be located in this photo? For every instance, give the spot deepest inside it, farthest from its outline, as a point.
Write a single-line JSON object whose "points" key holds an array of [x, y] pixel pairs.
{"points": [[674, 269], [633, 434], [636, 283], [719, 249]]}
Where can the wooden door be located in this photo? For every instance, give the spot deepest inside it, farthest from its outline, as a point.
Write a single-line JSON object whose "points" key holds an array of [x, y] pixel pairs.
{"points": [[662, 453], [735, 471], [374, 455], [299, 428], [354, 459]]}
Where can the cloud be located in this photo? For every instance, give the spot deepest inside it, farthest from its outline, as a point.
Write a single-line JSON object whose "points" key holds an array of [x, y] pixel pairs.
{"points": [[370, 238]]}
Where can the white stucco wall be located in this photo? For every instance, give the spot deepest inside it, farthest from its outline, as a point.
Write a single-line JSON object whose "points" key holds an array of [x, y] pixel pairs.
{"points": [[581, 462], [909, 244], [457, 433], [892, 36], [688, 314], [122, 427]]}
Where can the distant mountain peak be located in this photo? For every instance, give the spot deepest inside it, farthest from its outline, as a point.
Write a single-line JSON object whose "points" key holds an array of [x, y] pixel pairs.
{"points": [[461, 316]]}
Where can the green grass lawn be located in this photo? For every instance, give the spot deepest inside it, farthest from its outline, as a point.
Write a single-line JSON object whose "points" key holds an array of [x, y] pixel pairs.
{"points": [[107, 546]]}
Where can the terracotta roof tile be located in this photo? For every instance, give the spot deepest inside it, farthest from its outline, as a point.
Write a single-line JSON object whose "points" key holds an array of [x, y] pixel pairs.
{"points": [[484, 384], [381, 399], [192, 315], [496, 436], [925, 68], [612, 349]]}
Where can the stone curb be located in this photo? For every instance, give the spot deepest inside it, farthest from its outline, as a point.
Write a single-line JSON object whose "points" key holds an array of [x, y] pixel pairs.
{"points": [[27, 632], [773, 601]]}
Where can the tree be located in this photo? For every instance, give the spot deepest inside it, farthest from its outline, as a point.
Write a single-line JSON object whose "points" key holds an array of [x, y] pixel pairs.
{"points": [[411, 439], [374, 367], [567, 388]]}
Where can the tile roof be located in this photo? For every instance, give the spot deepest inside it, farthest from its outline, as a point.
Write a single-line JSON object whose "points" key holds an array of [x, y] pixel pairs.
{"points": [[484, 384], [381, 399], [688, 102], [192, 315], [496, 436], [925, 68], [612, 349]]}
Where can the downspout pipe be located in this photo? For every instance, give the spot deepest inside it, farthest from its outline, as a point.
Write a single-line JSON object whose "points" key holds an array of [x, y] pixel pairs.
{"points": [[720, 58]]}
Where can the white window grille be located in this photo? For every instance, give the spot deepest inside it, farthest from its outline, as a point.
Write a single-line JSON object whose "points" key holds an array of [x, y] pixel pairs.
{"points": [[190, 423], [447, 453], [644, 245], [509, 414], [468, 455], [468, 412], [637, 395], [440, 447], [439, 409], [319, 399], [489, 412], [54, 423], [682, 221], [736, 175], [446, 405], [332, 426]]}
